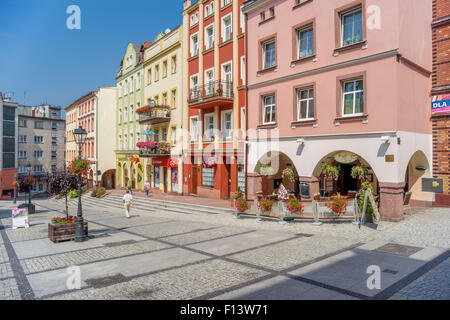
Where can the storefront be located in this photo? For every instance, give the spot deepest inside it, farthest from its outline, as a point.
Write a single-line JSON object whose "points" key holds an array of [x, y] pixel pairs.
{"points": [[129, 167], [162, 174]]}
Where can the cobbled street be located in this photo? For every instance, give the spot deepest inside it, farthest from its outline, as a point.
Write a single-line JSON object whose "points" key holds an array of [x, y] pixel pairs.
{"points": [[161, 254]]}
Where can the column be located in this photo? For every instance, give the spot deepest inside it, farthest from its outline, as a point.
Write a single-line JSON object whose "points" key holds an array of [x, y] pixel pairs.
{"points": [[391, 201]]}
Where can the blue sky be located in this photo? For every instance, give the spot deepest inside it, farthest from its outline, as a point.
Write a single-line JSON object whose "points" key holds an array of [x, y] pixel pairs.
{"points": [[52, 64]]}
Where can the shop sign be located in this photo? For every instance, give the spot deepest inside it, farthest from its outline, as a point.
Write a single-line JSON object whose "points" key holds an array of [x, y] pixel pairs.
{"points": [[440, 104], [210, 162], [171, 163], [433, 185], [345, 157]]}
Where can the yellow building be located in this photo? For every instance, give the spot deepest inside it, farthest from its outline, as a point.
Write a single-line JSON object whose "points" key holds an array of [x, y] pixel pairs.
{"points": [[161, 117], [71, 125]]}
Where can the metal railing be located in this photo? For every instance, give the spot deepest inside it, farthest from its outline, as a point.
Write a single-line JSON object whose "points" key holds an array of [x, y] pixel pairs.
{"points": [[155, 115], [213, 89]]}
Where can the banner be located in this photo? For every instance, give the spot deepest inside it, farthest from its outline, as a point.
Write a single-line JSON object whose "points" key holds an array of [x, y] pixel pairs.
{"points": [[20, 218], [440, 104]]}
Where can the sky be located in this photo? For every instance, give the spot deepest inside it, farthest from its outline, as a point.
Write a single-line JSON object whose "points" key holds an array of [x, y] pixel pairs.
{"points": [[42, 61]]}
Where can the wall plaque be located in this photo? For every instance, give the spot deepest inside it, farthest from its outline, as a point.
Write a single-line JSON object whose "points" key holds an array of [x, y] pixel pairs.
{"points": [[389, 158]]}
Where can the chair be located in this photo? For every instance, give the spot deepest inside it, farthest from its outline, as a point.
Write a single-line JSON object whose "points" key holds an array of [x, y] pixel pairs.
{"points": [[406, 201]]}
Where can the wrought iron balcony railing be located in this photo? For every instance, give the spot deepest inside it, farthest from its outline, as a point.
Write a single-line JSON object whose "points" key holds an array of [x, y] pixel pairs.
{"points": [[211, 90], [154, 115]]}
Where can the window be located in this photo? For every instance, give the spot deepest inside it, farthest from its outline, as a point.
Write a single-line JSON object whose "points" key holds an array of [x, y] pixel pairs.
{"points": [[193, 87], [22, 139], [38, 139], [38, 168], [131, 84], [22, 154], [194, 44], [149, 76], [164, 69], [243, 69], [131, 113], [22, 169], [262, 16], [208, 177], [268, 53], [54, 154], [54, 141], [194, 128], [131, 146], [54, 168], [38, 124], [120, 90], [174, 98], [272, 12], [156, 135], [125, 138], [157, 72], [305, 104], [174, 135], [174, 64], [242, 20], [243, 118], [227, 124], [120, 115], [164, 98], [225, 2], [209, 81], [164, 134], [120, 142], [138, 80], [22, 123], [305, 42], [38, 154], [351, 27], [227, 79], [207, 11], [352, 98], [54, 126], [226, 28], [269, 110], [126, 114], [209, 36], [209, 126]]}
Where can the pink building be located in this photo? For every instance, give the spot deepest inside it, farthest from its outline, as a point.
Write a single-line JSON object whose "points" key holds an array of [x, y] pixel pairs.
{"points": [[344, 83]]}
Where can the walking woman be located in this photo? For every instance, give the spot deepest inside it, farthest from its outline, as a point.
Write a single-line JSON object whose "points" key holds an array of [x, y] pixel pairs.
{"points": [[147, 187]]}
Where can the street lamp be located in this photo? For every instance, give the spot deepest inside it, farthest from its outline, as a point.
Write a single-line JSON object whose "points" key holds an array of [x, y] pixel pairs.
{"points": [[80, 137], [29, 188]]}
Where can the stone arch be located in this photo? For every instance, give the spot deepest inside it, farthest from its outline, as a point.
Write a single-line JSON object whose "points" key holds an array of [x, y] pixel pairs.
{"points": [[418, 167]]}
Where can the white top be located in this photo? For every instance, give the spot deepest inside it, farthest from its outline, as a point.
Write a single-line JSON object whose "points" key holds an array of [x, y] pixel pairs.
{"points": [[127, 198]]}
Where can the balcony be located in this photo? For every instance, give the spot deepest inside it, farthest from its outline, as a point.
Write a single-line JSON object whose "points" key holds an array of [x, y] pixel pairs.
{"points": [[153, 149], [212, 93], [157, 114]]}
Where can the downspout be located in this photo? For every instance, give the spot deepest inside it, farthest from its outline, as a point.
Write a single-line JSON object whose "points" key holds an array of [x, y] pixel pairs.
{"points": [[246, 107]]}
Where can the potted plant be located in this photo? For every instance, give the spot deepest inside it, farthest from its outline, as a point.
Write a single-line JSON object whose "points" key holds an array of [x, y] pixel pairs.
{"points": [[266, 170], [362, 194], [25, 186], [330, 171], [337, 205], [359, 172], [238, 195], [61, 229], [241, 206], [79, 167], [282, 197], [61, 184], [163, 147], [294, 206], [264, 207], [288, 174]]}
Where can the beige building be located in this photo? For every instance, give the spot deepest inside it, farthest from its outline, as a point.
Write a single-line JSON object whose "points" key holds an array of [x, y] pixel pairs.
{"points": [[71, 125], [161, 118]]}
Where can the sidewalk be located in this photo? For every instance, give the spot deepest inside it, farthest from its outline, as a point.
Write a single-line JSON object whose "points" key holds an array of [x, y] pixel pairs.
{"points": [[178, 198]]}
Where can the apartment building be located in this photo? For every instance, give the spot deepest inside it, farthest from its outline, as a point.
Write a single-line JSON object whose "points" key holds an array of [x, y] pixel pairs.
{"points": [[71, 125], [41, 143], [340, 83], [440, 94], [214, 96], [161, 118], [130, 97], [8, 145]]}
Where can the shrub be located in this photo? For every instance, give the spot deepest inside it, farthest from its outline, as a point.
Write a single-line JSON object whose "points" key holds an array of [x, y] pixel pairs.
{"points": [[265, 205], [364, 186], [241, 205], [68, 220], [101, 192], [337, 205], [94, 193], [294, 206], [239, 194], [73, 193], [83, 189], [58, 197]]}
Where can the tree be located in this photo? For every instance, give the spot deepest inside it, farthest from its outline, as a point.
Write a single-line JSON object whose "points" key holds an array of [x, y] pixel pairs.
{"points": [[61, 183]]}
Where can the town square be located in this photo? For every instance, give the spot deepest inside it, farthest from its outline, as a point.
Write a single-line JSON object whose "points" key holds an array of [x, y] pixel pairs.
{"points": [[225, 150]]}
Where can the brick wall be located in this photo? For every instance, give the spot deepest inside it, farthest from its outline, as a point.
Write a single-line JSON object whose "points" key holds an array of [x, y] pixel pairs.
{"points": [[440, 80]]}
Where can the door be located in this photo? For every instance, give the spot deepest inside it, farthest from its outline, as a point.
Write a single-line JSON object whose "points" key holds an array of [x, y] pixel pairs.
{"points": [[157, 177], [174, 179], [194, 179], [165, 180], [228, 166], [347, 183]]}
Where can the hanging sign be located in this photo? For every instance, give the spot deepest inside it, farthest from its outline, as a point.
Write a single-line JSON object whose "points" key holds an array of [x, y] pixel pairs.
{"points": [[440, 104], [170, 163], [20, 218]]}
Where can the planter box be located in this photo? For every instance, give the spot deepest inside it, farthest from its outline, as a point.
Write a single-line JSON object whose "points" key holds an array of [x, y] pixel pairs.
{"points": [[64, 232]]}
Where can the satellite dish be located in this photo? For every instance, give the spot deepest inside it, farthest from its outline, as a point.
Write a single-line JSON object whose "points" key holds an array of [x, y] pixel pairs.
{"points": [[167, 31]]}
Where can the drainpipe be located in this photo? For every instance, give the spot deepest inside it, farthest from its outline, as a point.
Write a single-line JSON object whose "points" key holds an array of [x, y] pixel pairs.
{"points": [[246, 107]]}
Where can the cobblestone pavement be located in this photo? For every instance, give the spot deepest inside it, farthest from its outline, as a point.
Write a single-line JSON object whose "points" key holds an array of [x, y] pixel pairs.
{"points": [[214, 254], [434, 285]]}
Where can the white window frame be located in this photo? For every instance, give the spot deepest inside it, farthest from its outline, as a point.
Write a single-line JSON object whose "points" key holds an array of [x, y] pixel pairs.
{"points": [[174, 135], [225, 2], [243, 118], [271, 106], [209, 86], [308, 103], [222, 116], [194, 35], [194, 134], [354, 92], [263, 48], [132, 84], [242, 21], [191, 82], [299, 31], [222, 74], [230, 15], [346, 13], [209, 133], [243, 69], [138, 81], [209, 45]]}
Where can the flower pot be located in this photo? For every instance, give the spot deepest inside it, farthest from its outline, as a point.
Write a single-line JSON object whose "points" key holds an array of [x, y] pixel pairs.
{"points": [[62, 232]]}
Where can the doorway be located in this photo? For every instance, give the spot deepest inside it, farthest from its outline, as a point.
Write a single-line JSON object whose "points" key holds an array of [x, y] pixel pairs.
{"points": [[228, 167], [346, 183], [165, 179]]}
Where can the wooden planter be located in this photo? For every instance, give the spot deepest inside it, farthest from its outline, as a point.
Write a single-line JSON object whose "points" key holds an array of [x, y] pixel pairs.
{"points": [[63, 232]]}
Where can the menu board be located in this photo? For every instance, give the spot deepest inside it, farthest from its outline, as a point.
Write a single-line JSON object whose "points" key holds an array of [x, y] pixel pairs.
{"points": [[20, 218]]}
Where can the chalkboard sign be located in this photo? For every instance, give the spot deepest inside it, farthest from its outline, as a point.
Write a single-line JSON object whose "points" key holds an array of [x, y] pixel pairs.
{"points": [[304, 190]]}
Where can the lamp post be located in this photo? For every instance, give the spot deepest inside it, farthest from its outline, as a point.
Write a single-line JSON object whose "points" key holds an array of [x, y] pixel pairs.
{"points": [[80, 137], [29, 188]]}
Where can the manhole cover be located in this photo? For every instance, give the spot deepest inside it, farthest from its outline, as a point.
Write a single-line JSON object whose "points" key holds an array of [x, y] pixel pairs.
{"points": [[106, 281], [304, 235], [398, 249], [119, 243]]}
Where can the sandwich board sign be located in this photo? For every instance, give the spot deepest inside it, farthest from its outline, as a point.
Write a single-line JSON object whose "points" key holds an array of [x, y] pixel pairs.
{"points": [[20, 218], [369, 196]]}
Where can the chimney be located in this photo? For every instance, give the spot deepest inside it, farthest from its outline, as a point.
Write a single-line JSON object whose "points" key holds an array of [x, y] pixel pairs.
{"points": [[187, 4]]}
